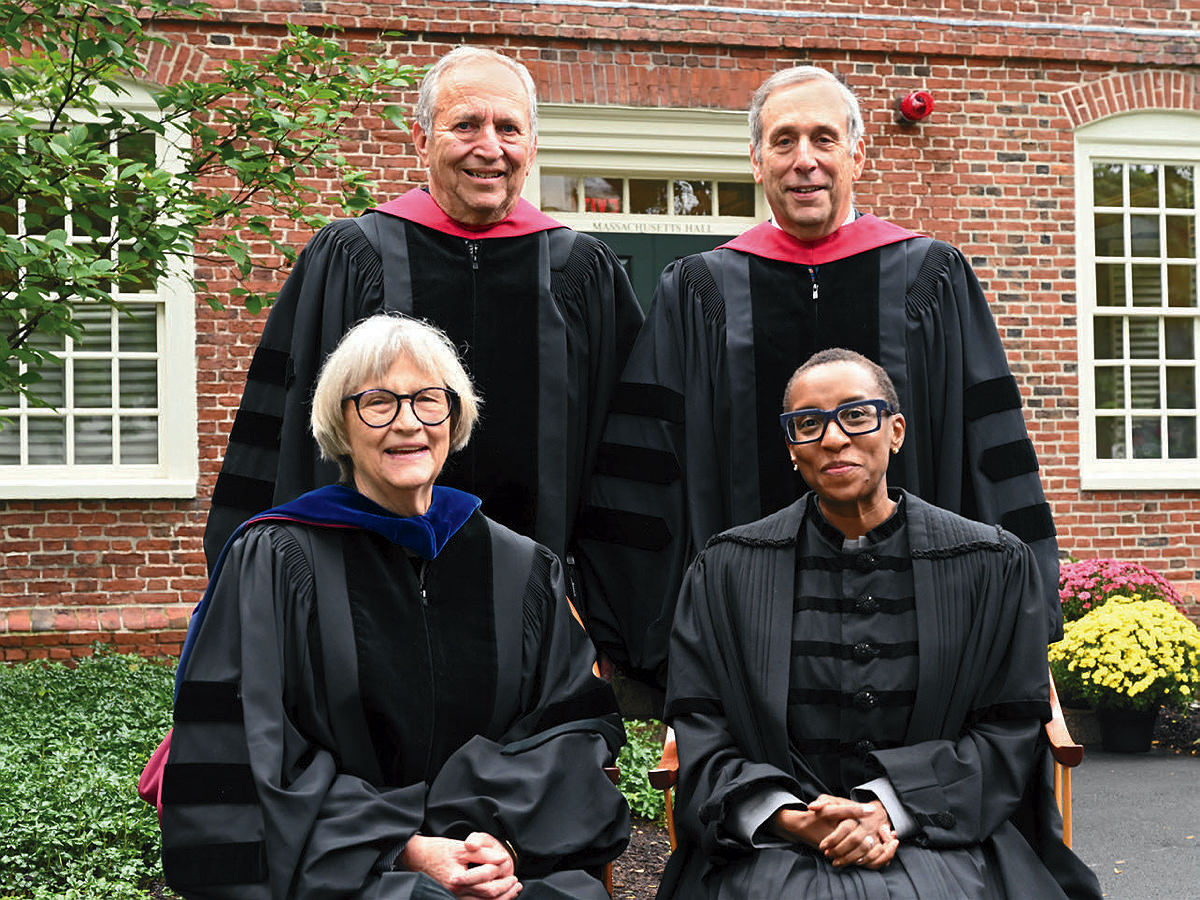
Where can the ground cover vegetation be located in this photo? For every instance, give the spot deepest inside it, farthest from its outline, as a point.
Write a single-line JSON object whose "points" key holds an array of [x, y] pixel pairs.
{"points": [[73, 741]]}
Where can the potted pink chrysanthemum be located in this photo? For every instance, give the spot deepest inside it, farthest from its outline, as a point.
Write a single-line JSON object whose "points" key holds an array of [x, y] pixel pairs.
{"points": [[1084, 585]]}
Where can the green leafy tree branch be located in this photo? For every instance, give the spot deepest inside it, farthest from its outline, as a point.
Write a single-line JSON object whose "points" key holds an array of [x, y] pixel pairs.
{"points": [[99, 197]]}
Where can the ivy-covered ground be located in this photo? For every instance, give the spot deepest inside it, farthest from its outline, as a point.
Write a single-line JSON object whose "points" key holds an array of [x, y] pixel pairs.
{"points": [[72, 743]]}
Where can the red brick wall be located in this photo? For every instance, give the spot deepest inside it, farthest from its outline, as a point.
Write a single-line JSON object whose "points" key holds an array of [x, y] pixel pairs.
{"points": [[991, 171]]}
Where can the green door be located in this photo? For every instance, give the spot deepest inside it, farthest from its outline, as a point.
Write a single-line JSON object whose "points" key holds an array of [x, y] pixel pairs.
{"points": [[644, 256]]}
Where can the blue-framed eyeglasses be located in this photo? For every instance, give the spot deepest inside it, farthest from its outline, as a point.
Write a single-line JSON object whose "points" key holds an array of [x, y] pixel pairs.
{"points": [[803, 426], [378, 407]]}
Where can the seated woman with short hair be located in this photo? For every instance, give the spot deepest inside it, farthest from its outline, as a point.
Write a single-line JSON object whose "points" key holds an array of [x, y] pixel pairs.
{"points": [[858, 683], [384, 693]]}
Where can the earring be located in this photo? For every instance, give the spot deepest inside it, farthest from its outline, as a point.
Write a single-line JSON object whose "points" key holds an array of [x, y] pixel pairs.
{"points": [[895, 450], [795, 466]]}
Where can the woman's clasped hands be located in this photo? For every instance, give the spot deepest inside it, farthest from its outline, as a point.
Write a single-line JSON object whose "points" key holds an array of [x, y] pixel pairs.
{"points": [[479, 868], [847, 832]]}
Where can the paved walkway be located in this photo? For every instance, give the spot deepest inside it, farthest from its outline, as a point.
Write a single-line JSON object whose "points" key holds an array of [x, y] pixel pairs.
{"points": [[1137, 823]]}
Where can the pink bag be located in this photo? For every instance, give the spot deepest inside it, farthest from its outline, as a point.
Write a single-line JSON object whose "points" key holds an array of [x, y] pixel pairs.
{"points": [[150, 783]]}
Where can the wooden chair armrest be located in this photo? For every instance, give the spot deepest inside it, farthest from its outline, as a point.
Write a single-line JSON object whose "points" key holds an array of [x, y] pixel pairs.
{"points": [[613, 773], [1064, 750], [666, 773]]}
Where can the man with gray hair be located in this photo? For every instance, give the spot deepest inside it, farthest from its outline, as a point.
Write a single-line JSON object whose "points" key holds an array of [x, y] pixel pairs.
{"points": [[543, 316], [693, 446]]}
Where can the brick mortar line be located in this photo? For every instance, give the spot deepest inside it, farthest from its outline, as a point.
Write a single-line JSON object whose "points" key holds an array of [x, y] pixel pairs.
{"points": [[1005, 25]]}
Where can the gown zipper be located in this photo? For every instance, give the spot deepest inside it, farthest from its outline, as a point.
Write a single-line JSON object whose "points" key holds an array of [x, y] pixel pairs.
{"points": [[422, 572], [473, 253]]}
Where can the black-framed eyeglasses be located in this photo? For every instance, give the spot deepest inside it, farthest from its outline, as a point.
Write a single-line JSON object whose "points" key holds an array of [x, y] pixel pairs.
{"points": [[378, 407], [803, 426]]}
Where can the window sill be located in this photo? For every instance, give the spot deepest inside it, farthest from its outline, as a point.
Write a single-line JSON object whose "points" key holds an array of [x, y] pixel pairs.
{"points": [[1123, 475], [103, 485]]}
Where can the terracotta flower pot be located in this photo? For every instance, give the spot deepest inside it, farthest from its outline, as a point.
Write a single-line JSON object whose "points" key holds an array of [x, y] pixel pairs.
{"points": [[1126, 730]]}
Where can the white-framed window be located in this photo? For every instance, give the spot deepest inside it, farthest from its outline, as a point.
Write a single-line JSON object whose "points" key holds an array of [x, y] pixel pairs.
{"points": [[121, 421], [659, 197], [1137, 209], [640, 170]]}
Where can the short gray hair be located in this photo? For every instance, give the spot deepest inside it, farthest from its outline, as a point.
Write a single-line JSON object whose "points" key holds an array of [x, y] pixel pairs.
{"points": [[364, 354], [427, 96], [883, 380], [799, 75]]}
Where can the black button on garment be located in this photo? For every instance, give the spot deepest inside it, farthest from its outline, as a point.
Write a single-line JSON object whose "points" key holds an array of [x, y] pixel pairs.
{"points": [[944, 820], [864, 650], [865, 700], [866, 605], [865, 562], [863, 747]]}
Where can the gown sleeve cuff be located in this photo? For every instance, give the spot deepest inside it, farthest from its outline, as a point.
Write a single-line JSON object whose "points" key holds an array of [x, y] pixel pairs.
{"points": [[881, 789], [749, 818], [390, 861]]}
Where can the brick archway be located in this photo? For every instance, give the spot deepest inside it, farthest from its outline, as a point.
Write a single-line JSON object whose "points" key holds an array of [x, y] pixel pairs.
{"points": [[174, 62], [1129, 92]]}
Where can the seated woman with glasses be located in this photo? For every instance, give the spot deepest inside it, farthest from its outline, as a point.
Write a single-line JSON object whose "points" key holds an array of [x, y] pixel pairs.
{"points": [[384, 693], [858, 683]]}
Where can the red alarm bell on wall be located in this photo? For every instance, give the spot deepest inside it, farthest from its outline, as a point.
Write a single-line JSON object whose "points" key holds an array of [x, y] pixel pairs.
{"points": [[916, 106]]}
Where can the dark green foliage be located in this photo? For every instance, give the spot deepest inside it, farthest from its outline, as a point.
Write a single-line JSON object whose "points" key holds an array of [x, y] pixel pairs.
{"points": [[639, 755], [72, 744]]}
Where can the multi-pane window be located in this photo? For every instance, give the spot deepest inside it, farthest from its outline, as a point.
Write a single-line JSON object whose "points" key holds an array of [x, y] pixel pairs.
{"points": [[104, 398], [665, 196], [117, 416], [1140, 380], [1144, 326]]}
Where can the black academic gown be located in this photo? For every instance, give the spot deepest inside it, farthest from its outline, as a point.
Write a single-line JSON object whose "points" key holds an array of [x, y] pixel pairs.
{"points": [[963, 766], [323, 719], [544, 318], [693, 444]]}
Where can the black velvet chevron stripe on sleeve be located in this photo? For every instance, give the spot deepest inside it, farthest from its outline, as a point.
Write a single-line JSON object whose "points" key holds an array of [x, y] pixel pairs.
{"points": [[992, 396], [1008, 460], [653, 401], [208, 701], [208, 783], [256, 429], [240, 492], [1030, 523], [637, 463], [269, 366], [616, 526], [212, 865]]}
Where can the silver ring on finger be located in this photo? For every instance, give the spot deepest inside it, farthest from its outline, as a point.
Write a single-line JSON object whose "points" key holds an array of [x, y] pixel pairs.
{"points": [[869, 841]]}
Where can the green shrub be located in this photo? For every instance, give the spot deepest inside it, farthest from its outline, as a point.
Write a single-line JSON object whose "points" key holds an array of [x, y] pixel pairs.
{"points": [[639, 755], [72, 744]]}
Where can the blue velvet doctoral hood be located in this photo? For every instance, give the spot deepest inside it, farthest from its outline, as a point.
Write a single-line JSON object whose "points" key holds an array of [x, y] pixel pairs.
{"points": [[341, 506]]}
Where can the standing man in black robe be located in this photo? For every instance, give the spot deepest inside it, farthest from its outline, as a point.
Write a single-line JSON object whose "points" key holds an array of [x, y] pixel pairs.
{"points": [[690, 448], [543, 316]]}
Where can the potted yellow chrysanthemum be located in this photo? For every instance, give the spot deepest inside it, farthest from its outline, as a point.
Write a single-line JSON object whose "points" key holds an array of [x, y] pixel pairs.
{"points": [[1128, 658]]}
